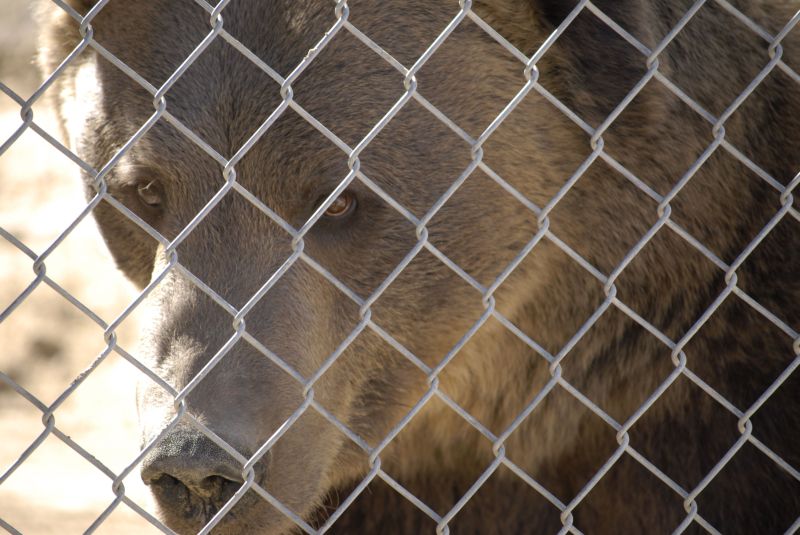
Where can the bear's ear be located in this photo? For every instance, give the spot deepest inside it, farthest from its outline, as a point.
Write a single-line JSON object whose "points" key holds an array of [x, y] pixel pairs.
{"points": [[47, 9], [553, 11], [81, 6], [520, 21], [58, 31]]}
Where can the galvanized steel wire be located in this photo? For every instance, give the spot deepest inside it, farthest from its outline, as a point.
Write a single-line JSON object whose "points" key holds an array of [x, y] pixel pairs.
{"points": [[529, 81]]}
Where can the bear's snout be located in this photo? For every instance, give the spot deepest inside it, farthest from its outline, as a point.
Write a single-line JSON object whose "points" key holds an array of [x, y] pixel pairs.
{"points": [[191, 476]]}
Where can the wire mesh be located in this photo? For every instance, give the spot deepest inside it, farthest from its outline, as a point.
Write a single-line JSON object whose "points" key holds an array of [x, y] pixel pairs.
{"points": [[529, 83]]}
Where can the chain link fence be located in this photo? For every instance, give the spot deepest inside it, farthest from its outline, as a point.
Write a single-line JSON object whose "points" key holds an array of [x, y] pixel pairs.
{"points": [[529, 83]]}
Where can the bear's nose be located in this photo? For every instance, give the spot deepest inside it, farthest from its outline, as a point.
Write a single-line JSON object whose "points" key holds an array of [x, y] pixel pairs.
{"points": [[188, 461]]}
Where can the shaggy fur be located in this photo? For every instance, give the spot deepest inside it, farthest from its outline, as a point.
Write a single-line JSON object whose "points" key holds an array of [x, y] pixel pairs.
{"points": [[224, 98]]}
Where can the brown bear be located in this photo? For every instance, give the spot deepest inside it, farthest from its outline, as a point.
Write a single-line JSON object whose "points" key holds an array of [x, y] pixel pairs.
{"points": [[518, 266]]}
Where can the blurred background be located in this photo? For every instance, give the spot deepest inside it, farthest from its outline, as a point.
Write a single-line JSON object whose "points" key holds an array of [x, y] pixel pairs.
{"points": [[46, 342]]}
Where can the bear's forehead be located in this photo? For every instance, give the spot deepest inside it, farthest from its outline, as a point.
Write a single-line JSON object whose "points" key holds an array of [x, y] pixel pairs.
{"points": [[235, 106]]}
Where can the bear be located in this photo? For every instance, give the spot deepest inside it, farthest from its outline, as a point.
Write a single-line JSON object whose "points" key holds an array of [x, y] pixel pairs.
{"points": [[518, 266]]}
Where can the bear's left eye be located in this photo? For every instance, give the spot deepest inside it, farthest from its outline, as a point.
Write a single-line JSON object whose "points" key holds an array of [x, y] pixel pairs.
{"points": [[150, 193], [342, 206]]}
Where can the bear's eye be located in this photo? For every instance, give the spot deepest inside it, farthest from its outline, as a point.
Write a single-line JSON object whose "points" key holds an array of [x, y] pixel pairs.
{"points": [[150, 193], [342, 206]]}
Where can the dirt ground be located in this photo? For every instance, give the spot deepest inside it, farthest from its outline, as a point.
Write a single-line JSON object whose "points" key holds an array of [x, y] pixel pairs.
{"points": [[46, 341]]}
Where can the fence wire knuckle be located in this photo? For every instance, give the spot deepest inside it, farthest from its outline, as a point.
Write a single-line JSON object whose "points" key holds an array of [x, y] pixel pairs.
{"points": [[557, 363]]}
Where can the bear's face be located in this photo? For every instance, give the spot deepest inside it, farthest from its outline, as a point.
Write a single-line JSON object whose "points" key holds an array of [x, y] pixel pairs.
{"points": [[283, 304]]}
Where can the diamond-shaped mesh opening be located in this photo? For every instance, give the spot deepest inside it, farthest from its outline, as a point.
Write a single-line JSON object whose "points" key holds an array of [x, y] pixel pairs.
{"points": [[601, 192], [527, 507], [378, 496], [699, 202], [689, 283], [397, 156], [740, 381], [460, 65], [35, 343], [620, 377], [480, 225], [116, 413], [671, 151], [686, 461], [626, 497], [586, 443], [595, 44], [391, 386], [772, 252], [119, 18], [429, 344], [749, 467], [396, 15], [386, 233], [715, 91], [460, 472], [230, 114], [538, 175], [528, 376], [303, 31], [349, 467], [275, 170], [232, 221], [537, 320], [373, 87], [740, 133], [33, 158]]}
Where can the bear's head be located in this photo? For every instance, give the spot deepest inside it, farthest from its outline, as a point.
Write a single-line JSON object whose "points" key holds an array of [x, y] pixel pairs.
{"points": [[323, 204]]}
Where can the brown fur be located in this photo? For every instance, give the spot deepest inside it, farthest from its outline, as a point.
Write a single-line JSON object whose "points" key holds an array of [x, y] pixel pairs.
{"points": [[617, 364]]}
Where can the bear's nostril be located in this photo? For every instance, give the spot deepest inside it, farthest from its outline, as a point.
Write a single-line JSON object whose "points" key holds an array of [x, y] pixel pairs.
{"points": [[213, 488], [167, 484], [169, 490]]}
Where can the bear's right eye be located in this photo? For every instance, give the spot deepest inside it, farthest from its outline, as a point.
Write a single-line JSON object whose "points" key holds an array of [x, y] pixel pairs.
{"points": [[151, 193], [342, 206]]}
